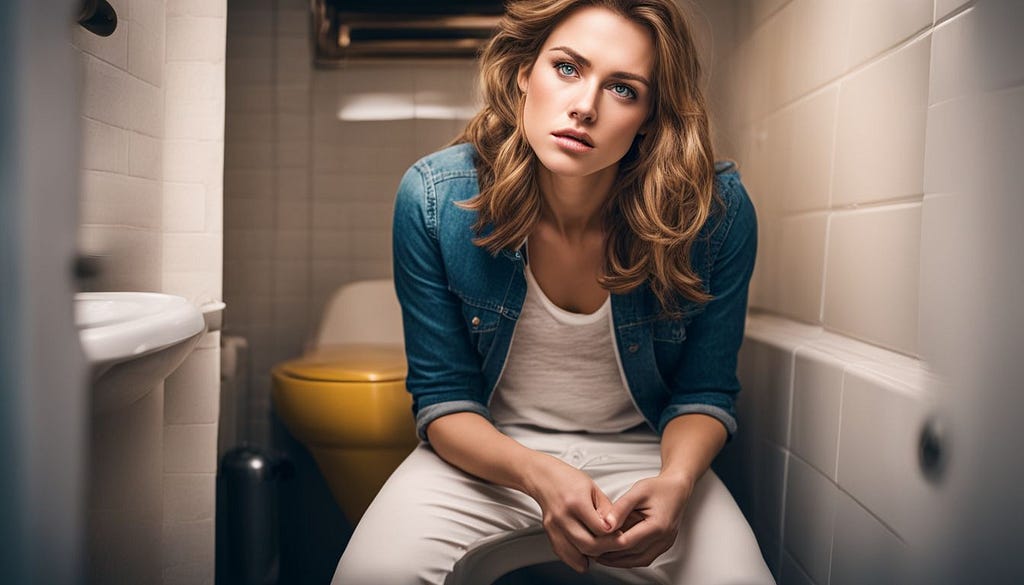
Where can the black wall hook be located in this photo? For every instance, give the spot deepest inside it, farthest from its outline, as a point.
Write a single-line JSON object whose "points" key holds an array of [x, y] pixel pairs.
{"points": [[98, 17]]}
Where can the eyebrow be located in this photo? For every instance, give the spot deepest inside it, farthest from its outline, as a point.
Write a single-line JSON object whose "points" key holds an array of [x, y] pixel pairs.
{"points": [[586, 63]]}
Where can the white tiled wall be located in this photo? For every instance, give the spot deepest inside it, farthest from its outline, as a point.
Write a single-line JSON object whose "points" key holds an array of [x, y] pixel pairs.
{"points": [[839, 114], [308, 194], [152, 175]]}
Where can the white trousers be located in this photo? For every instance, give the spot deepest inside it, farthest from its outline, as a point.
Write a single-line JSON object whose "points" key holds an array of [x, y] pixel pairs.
{"points": [[431, 523]]}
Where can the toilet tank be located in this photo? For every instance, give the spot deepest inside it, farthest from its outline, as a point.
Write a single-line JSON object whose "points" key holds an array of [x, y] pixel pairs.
{"points": [[365, 311]]}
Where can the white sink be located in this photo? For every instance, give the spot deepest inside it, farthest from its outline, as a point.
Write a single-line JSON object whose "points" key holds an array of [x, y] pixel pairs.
{"points": [[133, 341]]}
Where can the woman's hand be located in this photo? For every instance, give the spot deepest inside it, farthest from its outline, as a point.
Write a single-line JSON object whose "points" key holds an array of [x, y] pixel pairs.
{"points": [[574, 509], [646, 520]]}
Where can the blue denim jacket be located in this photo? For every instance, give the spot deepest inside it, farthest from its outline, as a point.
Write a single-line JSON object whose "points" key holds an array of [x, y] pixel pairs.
{"points": [[460, 304]]}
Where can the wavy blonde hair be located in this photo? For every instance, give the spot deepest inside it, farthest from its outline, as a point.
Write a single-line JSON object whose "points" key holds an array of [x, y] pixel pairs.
{"points": [[665, 186]]}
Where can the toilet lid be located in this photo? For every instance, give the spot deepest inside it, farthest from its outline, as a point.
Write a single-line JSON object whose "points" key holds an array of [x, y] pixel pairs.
{"points": [[350, 363]]}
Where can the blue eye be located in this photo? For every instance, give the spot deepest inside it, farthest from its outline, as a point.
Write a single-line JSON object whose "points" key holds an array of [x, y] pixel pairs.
{"points": [[624, 91], [566, 69]]}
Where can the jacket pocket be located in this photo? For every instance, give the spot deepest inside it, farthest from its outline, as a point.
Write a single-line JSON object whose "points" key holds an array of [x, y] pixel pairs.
{"points": [[482, 323]]}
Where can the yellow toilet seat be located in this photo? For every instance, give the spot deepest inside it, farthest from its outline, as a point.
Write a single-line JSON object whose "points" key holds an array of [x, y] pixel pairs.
{"points": [[348, 405]]}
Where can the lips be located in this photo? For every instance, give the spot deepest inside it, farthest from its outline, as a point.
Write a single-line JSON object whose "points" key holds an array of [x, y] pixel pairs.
{"points": [[580, 137]]}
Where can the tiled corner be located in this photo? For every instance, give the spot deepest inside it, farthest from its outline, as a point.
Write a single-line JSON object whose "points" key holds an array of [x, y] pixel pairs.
{"points": [[146, 51], [192, 38], [810, 518], [790, 573], [954, 57], [879, 438], [879, 151], [766, 372], [769, 490], [944, 8], [863, 550], [871, 286]]}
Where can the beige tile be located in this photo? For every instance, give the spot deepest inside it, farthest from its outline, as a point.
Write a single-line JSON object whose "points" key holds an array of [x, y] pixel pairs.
{"points": [[146, 107], [878, 25], [881, 129], [294, 214], [871, 285], [150, 13], [250, 155], [293, 185], [123, 548], [194, 161], [190, 448], [258, 98], [117, 200], [809, 128], [292, 154], [145, 156], [247, 184], [240, 46], [195, 120], [815, 50], [246, 127], [251, 214], [810, 518], [189, 574], [191, 252], [373, 245], [293, 23], [817, 396], [291, 277], [146, 52], [192, 38], [251, 20], [189, 497], [249, 72], [105, 92], [879, 436], [184, 207], [104, 147], [195, 81], [124, 457], [191, 392], [802, 260], [766, 372], [188, 543], [208, 8], [864, 551]]}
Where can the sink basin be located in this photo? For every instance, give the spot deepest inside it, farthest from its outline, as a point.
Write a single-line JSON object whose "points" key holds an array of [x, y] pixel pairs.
{"points": [[133, 341]]}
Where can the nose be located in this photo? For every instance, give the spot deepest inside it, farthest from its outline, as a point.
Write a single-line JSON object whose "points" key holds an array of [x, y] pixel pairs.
{"points": [[584, 107]]}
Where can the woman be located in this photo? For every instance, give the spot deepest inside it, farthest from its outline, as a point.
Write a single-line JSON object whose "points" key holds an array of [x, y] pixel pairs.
{"points": [[573, 279]]}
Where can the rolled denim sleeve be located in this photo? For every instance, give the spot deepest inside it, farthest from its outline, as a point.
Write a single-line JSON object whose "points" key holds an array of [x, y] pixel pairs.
{"points": [[705, 380], [444, 373]]}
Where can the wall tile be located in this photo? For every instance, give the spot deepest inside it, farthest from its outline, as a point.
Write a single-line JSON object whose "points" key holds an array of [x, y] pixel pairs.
{"points": [[145, 156], [104, 147], [191, 252], [188, 396], [195, 120], [802, 262], [189, 81], [877, 25], [188, 543], [146, 107], [816, 50], [189, 497], [944, 7], [769, 489], [105, 92], [196, 39], [116, 200], [146, 51], [871, 287], [881, 129], [810, 519], [190, 448], [197, 8], [256, 20], [809, 128], [864, 551], [878, 446], [247, 184], [184, 207], [193, 161], [817, 395]]}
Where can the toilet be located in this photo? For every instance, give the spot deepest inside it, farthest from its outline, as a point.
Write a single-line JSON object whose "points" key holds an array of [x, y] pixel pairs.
{"points": [[345, 399]]}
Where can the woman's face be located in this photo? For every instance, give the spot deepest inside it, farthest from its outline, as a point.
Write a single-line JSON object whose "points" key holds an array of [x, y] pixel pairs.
{"points": [[588, 93]]}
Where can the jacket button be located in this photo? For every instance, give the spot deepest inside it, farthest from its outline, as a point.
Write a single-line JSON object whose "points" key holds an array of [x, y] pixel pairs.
{"points": [[475, 321], [633, 348]]}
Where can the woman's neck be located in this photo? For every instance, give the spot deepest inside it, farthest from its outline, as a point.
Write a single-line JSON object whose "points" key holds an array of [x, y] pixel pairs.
{"points": [[572, 205]]}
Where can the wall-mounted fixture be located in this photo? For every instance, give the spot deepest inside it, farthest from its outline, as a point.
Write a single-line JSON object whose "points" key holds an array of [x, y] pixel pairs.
{"points": [[98, 17], [401, 28]]}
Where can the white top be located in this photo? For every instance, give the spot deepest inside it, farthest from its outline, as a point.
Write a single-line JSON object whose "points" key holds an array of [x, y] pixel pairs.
{"points": [[562, 372]]}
